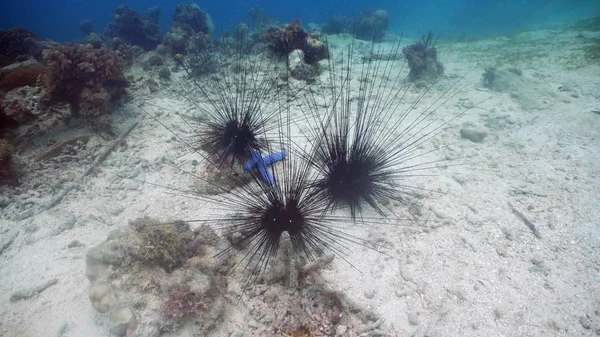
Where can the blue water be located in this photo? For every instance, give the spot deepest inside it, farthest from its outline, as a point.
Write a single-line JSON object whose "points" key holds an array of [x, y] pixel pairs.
{"points": [[59, 20]]}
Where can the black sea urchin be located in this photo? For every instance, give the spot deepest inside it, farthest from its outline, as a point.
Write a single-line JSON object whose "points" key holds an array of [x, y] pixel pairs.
{"points": [[364, 142], [233, 108]]}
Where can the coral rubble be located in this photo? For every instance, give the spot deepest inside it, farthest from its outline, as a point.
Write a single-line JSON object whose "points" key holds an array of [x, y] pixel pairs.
{"points": [[152, 279], [156, 277], [19, 94], [21, 105]]}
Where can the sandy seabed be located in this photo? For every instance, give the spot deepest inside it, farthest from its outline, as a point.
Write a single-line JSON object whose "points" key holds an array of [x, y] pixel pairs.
{"points": [[508, 245]]}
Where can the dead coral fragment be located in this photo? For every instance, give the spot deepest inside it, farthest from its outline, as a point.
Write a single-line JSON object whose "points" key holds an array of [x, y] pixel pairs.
{"points": [[283, 40], [21, 105], [182, 303], [422, 60], [166, 245], [300, 332], [86, 78]]}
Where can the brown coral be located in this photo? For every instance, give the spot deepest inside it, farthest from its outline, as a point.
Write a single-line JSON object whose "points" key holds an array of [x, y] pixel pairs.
{"points": [[86, 78]]}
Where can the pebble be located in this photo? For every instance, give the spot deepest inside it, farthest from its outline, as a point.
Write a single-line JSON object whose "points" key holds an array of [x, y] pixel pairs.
{"points": [[68, 223], [24, 215], [340, 330], [406, 274], [585, 322], [121, 321], [131, 185], [476, 135], [74, 244], [552, 221], [115, 209], [468, 105], [4, 201], [102, 296], [413, 318]]}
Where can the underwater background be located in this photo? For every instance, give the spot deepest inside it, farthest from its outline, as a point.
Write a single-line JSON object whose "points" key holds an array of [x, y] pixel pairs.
{"points": [[58, 20], [166, 170]]}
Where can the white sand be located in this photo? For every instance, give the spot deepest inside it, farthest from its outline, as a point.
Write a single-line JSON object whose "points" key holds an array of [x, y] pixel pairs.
{"points": [[471, 267]]}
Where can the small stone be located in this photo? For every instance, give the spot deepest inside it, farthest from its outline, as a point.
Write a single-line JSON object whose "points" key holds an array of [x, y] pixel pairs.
{"points": [[468, 105], [74, 244], [552, 221], [413, 318], [102, 296], [476, 135], [4, 201], [340, 330], [268, 318], [122, 322], [585, 322], [299, 69], [31, 228], [406, 274], [115, 209], [501, 251], [68, 223]]}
